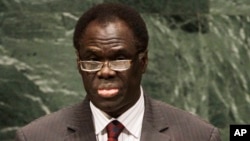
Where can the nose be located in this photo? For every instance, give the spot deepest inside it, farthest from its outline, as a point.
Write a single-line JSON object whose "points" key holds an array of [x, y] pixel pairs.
{"points": [[105, 72]]}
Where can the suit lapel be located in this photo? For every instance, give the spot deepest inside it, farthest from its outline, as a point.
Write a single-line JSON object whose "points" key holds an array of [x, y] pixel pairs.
{"points": [[154, 123], [80, 126]]}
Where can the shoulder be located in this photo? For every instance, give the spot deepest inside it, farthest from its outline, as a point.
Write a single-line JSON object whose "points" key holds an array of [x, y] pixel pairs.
{"points": [[51, 126], [59, 116], [177, 115], [182, 124]]}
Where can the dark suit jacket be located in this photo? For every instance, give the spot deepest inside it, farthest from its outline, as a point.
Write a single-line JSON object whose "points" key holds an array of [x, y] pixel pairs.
{"points": [[161, 122]]}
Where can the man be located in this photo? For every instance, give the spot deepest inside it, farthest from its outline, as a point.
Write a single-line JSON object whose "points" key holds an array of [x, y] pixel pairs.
{"points": [[111, 44]]}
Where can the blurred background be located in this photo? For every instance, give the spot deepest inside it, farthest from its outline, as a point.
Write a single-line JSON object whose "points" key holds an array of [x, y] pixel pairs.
{"points": [[199, 55]]}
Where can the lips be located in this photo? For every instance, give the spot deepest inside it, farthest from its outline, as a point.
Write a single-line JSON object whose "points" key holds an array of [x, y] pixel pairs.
{"points": [[108, 92]]}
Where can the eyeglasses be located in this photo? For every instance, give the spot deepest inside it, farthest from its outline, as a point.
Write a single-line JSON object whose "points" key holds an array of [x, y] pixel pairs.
{"points": [[115, 65]]}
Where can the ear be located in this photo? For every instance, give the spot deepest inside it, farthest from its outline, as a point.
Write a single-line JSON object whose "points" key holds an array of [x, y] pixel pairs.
{"points": [[144, 60], [77, 60]]}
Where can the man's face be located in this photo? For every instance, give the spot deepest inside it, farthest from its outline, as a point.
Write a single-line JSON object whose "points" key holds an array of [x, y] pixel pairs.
{"points": [[111, 91]]}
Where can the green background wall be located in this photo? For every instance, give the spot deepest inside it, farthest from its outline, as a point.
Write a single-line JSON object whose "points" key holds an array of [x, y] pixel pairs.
{"points": [[199, 55]]}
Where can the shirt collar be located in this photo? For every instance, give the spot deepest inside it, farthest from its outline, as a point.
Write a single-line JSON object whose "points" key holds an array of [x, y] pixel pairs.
{"points": [[128, 118]]}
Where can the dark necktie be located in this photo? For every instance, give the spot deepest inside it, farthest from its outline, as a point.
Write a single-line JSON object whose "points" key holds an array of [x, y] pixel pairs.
{"points": [[114, 129]]}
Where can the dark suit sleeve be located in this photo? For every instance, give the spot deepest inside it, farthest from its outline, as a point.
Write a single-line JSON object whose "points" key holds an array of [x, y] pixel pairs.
{"points": [[215, 135], [20, 136]]}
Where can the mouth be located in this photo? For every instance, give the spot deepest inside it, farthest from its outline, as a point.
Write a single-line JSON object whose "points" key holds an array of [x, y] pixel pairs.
{"points": [[107, 92]]}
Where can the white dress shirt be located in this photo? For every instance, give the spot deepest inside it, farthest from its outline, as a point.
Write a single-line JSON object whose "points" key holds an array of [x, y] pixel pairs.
{"points": [[131, 119]]}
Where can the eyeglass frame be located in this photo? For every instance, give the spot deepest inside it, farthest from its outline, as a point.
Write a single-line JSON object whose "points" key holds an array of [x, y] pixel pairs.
{"points": [[79, 61]]}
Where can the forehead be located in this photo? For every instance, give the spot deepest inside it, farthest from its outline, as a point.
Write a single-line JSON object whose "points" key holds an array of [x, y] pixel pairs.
{"points": [[108, 35]]}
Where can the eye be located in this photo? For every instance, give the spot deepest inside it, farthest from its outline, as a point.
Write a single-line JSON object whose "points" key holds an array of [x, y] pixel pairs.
{"points": [[94, 59], [91, 58], [121, 58]]}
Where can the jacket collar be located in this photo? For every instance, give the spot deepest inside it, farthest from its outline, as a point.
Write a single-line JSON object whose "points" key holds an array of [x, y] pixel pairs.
{"points": [[80, 126], [154, 122]]}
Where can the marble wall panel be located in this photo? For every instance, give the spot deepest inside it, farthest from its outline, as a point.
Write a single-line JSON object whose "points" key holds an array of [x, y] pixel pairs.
{"points": [[199, 55]]}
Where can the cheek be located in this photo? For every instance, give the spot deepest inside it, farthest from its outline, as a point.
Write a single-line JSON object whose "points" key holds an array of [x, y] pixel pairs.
{"points": [[88, 80], [134, 77]]}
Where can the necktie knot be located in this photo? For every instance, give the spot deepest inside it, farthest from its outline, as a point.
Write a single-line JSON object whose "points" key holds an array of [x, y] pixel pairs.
{"points": [[114, 129]]}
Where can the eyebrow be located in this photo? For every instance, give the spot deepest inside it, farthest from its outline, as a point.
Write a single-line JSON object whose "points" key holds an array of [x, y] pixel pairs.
{"points": [[113, 52]]}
